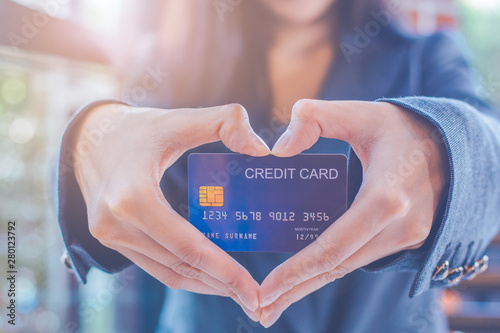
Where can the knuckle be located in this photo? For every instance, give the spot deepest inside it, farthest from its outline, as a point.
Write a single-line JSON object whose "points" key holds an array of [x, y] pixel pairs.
{"points": [[106, 218], [172, 147], [394, 203], [286, 300], [340, 271], [108, 235], [415, 235], [327, 277], [237, 111], [104, 231], [122, 206], [235, 121], [186, 270], [193, 256], [305, 117], [233, 283], [330, 259], [235, 278], [98, 230], [289, 282], [421, 231], [302, 108]]}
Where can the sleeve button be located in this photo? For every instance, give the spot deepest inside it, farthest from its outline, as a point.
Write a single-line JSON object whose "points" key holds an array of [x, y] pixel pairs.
{"points": [[455, 276], [472, 271], [483, 263], [442, 271], [66, 261]]}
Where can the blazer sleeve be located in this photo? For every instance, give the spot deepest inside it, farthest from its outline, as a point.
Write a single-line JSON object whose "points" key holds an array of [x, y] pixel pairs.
{"points": [[83, 250], [470, 131]]}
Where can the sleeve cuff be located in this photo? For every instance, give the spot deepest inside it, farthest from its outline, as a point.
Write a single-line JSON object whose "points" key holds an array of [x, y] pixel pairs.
{"points": [[460, 234], [84, 251]]}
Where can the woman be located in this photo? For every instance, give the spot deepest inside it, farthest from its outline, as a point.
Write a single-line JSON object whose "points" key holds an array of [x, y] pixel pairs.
{"points": [[425, 210]]}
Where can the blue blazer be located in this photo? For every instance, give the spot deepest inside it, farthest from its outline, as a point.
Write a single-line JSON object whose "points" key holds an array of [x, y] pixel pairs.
{"points": [[429, 76]]}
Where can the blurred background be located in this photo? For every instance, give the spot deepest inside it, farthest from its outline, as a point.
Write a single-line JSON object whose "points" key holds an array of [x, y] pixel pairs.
{"points": [[40, 88]]}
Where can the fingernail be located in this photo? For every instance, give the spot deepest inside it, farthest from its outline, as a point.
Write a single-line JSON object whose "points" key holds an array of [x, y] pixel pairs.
{"points": [[268, 300], [253, 316], [263, 143], [269, 319], [251, 305], [282, 142]]}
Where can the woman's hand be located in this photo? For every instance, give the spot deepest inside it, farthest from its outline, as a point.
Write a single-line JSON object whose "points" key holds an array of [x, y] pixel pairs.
{"points": [[119, 176], [404, 174]]}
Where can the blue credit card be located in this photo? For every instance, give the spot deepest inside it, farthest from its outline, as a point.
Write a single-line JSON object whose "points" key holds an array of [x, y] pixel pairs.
{"points": [[265, 204]]}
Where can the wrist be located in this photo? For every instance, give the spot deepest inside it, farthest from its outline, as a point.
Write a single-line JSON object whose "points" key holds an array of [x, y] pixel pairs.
{"points": [[96, 120]]}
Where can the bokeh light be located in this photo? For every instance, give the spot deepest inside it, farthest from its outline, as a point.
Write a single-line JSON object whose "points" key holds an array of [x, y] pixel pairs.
{"points": [[31, 245], [483, 5], [27, 295], [47, 322], [21, 130], [102, 16], [13, 91], [11, 168]]}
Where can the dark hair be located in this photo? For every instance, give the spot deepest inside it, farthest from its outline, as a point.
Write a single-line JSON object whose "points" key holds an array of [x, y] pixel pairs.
{"points": [[217, 55]]}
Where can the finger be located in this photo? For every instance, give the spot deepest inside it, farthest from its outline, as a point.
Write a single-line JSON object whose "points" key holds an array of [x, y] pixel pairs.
{"points": [[167, 276], [186, 242], [254, 315], [271, 313], [382, 245], [369, 214], [229, 123], [144, 244], [314, 118], [163, 256], [390, 241]]}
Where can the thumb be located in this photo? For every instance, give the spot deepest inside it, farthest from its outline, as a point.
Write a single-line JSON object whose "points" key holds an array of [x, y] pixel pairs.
{"points": [[228, 123], [314, 118]]}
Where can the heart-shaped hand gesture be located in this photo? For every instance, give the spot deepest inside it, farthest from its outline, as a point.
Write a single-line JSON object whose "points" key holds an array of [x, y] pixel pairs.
{"points": [[393, 211]]}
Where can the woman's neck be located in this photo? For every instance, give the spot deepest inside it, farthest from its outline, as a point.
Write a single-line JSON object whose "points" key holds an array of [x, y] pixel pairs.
{"points": [[298, 62], [299, 40]]}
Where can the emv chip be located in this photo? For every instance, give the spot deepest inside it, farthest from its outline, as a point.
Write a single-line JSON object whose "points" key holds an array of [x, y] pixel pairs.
{"points": [[211, 196]]}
